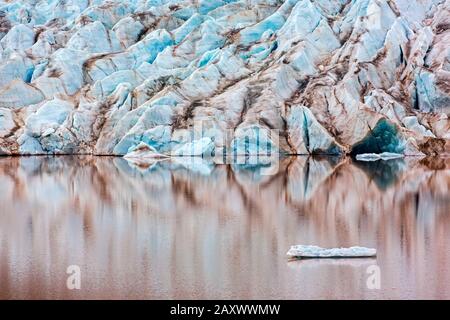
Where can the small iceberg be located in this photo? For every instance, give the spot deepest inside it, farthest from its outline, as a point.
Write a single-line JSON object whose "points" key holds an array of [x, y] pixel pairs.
{"points": [[378, 156], [143, 150], [144, 155], [304, 251]]}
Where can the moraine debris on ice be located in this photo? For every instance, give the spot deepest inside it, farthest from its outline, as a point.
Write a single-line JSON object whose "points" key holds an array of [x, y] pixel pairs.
{"points": [[307, 251], [325, 77]]}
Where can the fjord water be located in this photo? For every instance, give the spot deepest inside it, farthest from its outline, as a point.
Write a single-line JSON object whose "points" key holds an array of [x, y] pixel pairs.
{"points": [[173, 230]]}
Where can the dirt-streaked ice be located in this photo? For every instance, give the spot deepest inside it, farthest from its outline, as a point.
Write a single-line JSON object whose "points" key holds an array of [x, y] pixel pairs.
{"points": [[324, 77]]}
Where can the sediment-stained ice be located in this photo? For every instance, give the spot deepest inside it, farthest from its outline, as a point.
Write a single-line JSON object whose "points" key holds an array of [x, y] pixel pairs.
{"points": [[323, 77]]}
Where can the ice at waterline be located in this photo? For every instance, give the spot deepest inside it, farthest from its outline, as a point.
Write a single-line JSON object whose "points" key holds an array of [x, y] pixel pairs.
{"points": [[308, 251]]}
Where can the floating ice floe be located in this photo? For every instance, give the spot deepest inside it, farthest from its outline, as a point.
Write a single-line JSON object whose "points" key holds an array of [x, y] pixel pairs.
{"points": [[378, 156], [144, 155], [144, 151], [306, 251]]}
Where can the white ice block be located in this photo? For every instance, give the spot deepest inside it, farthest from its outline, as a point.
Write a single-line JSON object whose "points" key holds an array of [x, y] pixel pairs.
{"points": [[306, 251]]}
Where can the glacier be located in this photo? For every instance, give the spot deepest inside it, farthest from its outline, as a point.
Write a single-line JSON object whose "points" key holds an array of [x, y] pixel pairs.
{"points": [[246, 77]]}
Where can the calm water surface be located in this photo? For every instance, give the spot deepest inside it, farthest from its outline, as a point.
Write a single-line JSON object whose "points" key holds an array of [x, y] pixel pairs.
{"points": [[204, 231]]}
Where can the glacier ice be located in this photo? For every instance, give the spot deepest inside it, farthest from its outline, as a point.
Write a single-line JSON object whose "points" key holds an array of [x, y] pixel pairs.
{"points": [[109, 77]]}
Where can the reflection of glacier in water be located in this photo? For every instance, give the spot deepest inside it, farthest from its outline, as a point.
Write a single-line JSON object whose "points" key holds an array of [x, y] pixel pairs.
{"points": [[171, 230]]}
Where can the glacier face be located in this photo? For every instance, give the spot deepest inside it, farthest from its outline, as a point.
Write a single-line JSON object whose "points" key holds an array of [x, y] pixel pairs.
{"points": [[322, 77]]}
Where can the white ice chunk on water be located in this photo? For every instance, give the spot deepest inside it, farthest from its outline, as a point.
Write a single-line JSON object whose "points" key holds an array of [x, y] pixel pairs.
{"points": [[307, 251], [378, 156], [144, 156], [143, 150]]}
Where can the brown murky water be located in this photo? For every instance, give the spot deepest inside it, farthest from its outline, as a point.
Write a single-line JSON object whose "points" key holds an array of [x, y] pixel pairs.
{"points": [[222, 231]]}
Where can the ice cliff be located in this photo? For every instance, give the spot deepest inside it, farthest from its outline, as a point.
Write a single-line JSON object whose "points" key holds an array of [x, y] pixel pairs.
{"points": [[190, 77]]}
